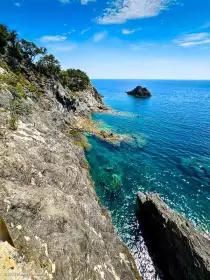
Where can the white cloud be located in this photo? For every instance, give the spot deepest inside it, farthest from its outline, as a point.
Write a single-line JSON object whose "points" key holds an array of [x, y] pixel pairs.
{"points": [[69, 32], [17, 4], [193, 39], [83, 2], [63, 48], [85, 30], [122, 10], [129, 31], [56, 38], [99, 36]]}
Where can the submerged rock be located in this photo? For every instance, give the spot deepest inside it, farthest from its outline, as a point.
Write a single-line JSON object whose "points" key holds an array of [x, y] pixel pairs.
{"points": [[180, 251], [140, 91]]}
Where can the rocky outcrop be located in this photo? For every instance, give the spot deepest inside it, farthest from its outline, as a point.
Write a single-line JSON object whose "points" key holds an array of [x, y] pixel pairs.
{"points": [[48, 200], [140, 91], [180, 251]]}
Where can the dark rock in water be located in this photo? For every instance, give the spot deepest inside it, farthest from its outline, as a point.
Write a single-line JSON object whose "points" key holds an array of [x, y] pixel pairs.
{"points": [[179, 250], [140, 92]]}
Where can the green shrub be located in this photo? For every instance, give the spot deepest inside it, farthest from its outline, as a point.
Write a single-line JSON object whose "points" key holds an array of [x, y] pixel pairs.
{"points": [[49, 65], [30, 50], [9, 79], [13, 121], [4, 37], [75, 79], [20, 107], [20, 91]]}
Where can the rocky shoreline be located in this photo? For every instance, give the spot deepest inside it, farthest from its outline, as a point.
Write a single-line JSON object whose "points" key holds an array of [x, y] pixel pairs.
{"points": [[52, 224], [48, 200], [178, 249]]}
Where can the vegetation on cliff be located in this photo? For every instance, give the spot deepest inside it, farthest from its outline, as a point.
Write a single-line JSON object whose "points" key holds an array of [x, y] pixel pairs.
{"points": [[47, 199], [20, 54]]}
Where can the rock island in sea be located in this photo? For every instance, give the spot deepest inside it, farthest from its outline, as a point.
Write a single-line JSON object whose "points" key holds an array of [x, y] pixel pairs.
{"points": [[140, 92]]}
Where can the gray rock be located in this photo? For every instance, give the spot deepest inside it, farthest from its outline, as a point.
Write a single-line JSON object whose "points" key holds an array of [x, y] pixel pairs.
{"points": [[139, 91], [180, 251], [48, 200]]}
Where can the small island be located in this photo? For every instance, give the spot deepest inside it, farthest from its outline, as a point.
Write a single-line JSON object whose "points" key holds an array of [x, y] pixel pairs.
{"points": [[140, 92]]}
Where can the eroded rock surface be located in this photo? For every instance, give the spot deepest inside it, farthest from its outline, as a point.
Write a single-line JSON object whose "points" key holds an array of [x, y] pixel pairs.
{"points": [[180, 251], [47, 198]]}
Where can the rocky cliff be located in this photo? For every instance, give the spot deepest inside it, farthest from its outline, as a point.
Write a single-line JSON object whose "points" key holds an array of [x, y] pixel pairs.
{"points": [[48, 201], [180, 251]]}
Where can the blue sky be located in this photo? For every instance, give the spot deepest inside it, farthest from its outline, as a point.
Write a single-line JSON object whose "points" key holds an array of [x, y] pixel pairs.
{"points": [[146, 39]]}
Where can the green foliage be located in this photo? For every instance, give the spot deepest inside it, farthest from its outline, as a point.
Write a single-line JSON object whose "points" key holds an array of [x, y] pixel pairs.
{"points": [[18, 106], [21, 53], [13, 121], [14, 48], [4, 37], [9, 79], [75, 79], [30, 50], [49, 65], [20, 91], [5, 66]]}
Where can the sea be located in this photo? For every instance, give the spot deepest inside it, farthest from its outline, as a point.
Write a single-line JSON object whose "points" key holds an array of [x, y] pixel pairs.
{"points": [[169, 153]]}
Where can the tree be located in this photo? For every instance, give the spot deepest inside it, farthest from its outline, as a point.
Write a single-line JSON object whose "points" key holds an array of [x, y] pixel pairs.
{"points": [[4, 37], [75, 79], [49, 65], [14, 47], [30, 50]]}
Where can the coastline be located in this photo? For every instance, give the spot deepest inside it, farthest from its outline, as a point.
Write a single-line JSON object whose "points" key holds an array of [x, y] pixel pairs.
{"points": [[104, 149], [48, 199]]}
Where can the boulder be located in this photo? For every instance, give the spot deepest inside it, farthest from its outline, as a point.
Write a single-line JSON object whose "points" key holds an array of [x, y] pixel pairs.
{"points": [[140, 91], [179, 250]]}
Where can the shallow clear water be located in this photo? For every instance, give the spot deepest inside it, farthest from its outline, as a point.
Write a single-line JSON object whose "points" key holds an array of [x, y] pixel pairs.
{"points": [[170, 154]]}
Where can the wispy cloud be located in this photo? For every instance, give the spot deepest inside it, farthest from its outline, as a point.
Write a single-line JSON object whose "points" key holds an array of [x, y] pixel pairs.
{"points": [[69, 32], [193, 39], [120, 11], [63, 48], [17, 4], [99, 36], [135, 47], [83, 2], [205, 48], [85, 30], [129, 31], [56, 38]]}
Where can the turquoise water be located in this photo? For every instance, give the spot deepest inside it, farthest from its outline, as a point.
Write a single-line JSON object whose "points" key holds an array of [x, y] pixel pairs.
{"points": [[170, 154]]}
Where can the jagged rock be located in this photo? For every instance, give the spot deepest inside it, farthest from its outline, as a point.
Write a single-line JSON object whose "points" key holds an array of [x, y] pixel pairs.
{"points": [[139, 91], [180, 251], [47, 199]]}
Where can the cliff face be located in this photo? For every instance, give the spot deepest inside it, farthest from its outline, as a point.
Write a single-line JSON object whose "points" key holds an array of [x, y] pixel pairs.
{"points": [[47, 198], [180, 251]]}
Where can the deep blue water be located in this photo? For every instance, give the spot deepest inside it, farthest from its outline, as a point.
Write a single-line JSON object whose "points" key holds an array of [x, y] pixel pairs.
{"points": [[171, 155]]}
